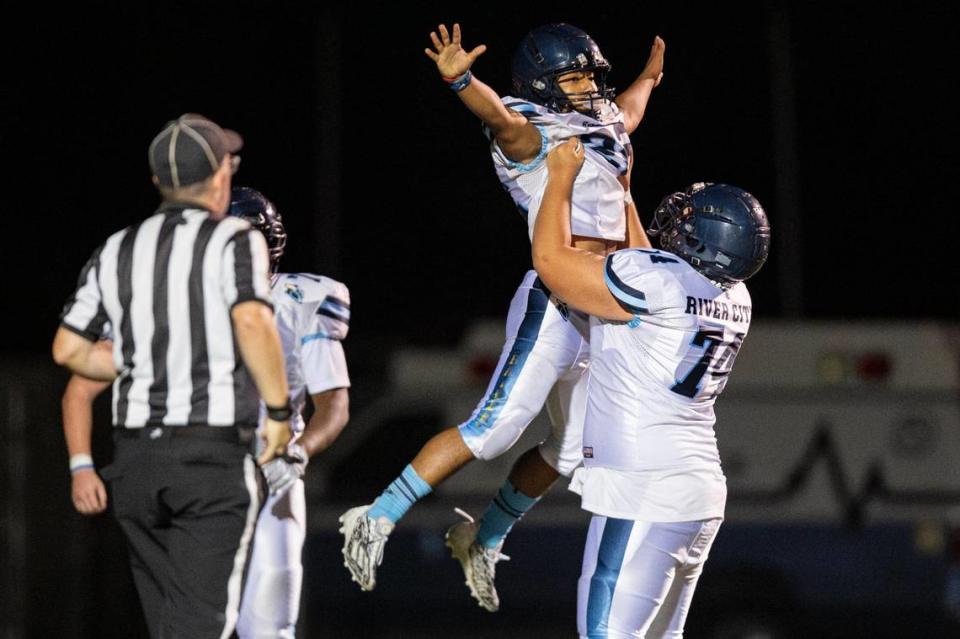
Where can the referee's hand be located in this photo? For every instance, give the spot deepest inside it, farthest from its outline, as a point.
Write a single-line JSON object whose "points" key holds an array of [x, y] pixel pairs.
{"points": [[276, 436], [88, 492]]}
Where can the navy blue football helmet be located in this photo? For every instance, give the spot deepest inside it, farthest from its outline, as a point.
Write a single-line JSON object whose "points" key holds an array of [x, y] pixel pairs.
{"points": [[721, 230], [550, 51], [254, 207]]}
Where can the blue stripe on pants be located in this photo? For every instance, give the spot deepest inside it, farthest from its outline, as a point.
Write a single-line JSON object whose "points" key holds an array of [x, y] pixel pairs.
{"points": [[613, 545], [537, 300]]}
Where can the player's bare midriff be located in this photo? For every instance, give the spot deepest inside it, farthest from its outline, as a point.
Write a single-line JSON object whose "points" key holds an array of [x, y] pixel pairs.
{"points": [[595, 244]]}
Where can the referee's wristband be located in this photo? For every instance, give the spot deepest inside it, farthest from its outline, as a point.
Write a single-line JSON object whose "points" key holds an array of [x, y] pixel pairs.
{"points": [[81, 461], [280, 413]]}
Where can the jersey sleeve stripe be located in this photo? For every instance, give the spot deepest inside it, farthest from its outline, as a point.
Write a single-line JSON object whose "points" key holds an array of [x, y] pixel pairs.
{"points": [[336, 302], [327, 312], [521, 107], [335, 309], [313, 336], [535, 162], [633, 300]]}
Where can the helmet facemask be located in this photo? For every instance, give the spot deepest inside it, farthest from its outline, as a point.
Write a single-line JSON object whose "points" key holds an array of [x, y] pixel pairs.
{"points": [[551, 51], [591, 103]]}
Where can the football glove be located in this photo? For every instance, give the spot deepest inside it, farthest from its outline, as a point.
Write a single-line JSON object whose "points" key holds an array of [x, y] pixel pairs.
{"points": [[282, 472]]}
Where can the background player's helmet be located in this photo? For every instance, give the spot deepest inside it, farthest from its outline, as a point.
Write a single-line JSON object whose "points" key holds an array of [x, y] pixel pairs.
{"points": [[254, 207], [722, 231], [550, 51]]}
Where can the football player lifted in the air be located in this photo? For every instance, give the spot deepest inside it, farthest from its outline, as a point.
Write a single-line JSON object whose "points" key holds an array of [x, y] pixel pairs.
{"points": [[560, 91]]}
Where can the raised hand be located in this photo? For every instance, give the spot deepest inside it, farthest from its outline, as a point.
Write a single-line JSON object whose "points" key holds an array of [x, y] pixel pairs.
{"points": [[654, 66], [452, 59]]}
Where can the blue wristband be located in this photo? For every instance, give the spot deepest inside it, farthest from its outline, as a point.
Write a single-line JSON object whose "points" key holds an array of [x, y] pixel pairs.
{"points": [[461, 83]]}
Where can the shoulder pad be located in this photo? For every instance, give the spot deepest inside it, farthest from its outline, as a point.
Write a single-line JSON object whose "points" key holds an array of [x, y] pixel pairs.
{"points": [[306, 288], [644, 280], [323, 301]]}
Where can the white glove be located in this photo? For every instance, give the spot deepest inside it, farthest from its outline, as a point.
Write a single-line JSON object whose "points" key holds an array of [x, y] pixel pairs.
{"points": [[282, 472]]}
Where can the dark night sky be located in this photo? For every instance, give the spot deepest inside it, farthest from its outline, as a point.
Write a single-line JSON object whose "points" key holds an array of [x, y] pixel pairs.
{"points": [[427, 237]]}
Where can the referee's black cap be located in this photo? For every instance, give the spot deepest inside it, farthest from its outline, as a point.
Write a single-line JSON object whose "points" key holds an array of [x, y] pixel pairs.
{"points": [[190, 149]]}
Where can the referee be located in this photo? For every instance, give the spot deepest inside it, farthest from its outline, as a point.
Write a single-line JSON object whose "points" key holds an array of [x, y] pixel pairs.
{"points": [[186, 297]]}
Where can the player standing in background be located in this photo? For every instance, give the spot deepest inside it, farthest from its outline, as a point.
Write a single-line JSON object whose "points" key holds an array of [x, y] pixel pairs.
{"points": [[665, 329], [559, 75], [313, 316]]}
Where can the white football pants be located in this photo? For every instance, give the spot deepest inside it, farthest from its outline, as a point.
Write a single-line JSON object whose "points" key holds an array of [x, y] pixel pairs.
{"points": [[544, 361], [271, 597], [638, 577]]}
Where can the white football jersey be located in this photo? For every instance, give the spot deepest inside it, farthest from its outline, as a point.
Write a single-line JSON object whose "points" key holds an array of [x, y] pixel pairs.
{"points": [[313, 317], [649, 446], [597, 195]]}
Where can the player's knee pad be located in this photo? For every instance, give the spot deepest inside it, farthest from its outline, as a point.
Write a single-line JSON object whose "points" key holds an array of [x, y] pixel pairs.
{"points": [[496, 438]]}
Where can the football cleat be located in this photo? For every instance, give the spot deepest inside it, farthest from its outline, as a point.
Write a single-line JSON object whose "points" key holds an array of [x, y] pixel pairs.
{"points": [[479, 563], [363, 542]]}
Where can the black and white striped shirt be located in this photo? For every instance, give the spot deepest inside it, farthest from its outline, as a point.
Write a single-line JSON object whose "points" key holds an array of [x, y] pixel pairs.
{"points": [[166, 286]]}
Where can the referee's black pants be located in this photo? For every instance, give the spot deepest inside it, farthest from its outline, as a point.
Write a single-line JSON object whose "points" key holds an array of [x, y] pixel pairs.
{"points": [[187, 500]]}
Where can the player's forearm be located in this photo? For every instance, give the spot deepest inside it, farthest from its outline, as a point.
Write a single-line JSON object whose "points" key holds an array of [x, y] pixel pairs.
{"points": [[515, 135], [484, 103], [331, 414], [82, 356], [573, 275], [551, 232], [633, 101], [636, 236], [552, 235], [259, 344]]}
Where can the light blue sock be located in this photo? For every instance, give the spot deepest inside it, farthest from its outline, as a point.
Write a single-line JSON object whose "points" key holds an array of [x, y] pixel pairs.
{"points": [[503, 512], [400, 495]]}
